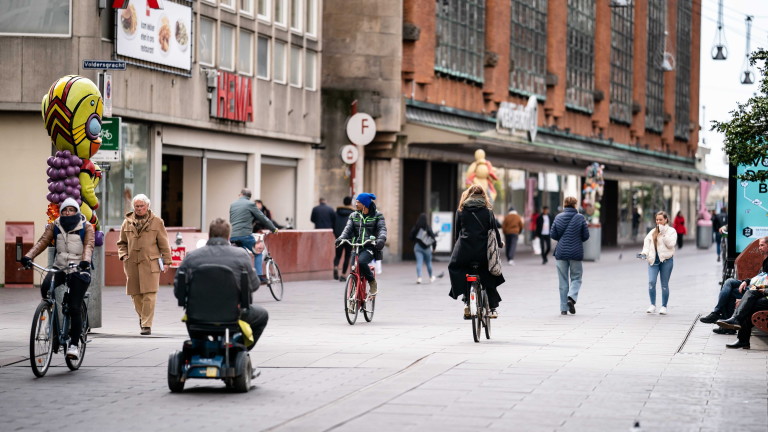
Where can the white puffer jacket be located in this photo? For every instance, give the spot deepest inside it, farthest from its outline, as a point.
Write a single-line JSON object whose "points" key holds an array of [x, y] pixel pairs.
{"points": [[665, 244]]}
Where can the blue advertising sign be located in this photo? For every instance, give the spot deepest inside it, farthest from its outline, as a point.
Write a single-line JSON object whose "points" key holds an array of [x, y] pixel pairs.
{"points": [[751, 218]]}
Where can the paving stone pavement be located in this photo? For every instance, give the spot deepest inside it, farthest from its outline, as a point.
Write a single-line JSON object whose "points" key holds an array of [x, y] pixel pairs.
{"points": [[415, 367]]}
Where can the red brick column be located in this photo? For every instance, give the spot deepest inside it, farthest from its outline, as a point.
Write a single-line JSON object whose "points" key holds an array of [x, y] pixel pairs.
{"points": [[497, 34], [640, 54], [668, 133], [601, 114], [419, 56], [693, 140]]}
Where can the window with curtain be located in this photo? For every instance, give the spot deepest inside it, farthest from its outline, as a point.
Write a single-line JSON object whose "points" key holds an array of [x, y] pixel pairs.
{"points": [[279, 62], [244, 52], [262, 53], [580, 55], [622, 31], [207, 45], [460, 38], [654, 84], [310, 68], [227, 47], [683, 76], [528, 47]]}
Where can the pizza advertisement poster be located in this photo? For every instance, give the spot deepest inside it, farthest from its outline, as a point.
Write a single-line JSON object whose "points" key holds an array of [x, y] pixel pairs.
{"points": [[161, 36]]}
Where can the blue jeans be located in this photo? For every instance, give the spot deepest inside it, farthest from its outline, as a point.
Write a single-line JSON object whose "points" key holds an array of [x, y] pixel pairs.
{"points": [[569, 289], [423, 255], [665, 269], [248, 242], [726, 300]]}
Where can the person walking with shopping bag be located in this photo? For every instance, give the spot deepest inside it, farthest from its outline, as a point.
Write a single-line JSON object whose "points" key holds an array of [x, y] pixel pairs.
{"points": [[570, 230], [423, 245]]}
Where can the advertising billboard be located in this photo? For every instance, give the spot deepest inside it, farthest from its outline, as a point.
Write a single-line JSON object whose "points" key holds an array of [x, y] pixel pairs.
{"points": [[751, 207], [161, 36]]}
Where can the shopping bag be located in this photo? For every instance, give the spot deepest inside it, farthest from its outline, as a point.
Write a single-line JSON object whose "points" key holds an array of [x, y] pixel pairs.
{"points": [[536, 243]]}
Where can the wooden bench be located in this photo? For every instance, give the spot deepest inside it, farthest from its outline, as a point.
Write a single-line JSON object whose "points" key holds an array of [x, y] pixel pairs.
{"points": [[748, 264]]}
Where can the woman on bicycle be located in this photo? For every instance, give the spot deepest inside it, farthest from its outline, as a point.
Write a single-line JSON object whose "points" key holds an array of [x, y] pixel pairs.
{"points": [[73, 238], [474, 219]]}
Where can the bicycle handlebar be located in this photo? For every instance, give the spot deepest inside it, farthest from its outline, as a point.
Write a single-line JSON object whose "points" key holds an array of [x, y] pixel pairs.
{"points": [[367, 241], [52, 269]]}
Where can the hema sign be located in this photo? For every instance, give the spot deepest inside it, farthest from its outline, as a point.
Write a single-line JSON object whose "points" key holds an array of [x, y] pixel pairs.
{"points": [[513, 117]]}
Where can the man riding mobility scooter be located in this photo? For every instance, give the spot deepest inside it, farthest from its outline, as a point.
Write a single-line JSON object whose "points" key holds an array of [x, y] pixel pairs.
{"points": [[217, 342]]}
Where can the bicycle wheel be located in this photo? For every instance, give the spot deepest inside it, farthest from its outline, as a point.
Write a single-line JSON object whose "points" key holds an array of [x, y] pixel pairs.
{"points": [[81, 345], [474, 311], [486, 315], [41, 339], [274, 280], [481, 317], [368, 307], [351, 305]]}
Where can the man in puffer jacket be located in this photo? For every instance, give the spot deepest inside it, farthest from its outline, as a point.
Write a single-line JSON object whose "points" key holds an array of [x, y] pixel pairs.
{"points": [[570, 231]]}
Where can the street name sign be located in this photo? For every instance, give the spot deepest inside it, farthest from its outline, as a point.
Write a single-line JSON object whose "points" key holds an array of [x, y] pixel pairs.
{"points": [[104, 64]]}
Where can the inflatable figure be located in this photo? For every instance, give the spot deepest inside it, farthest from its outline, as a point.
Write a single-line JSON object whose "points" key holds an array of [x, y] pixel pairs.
{"points": [[72, 111], [481, 173], [593, 191]]}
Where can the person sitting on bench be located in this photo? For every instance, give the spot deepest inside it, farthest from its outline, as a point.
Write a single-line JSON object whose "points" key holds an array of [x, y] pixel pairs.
{"points": [[754, 300], [218, 250], [732, 290]]}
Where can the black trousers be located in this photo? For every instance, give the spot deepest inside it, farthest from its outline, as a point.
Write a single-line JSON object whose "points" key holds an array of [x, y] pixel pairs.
{"points": [[365, 258], [257, 317], [72, 300], [546, 246], [347, 251], [752, 302]]}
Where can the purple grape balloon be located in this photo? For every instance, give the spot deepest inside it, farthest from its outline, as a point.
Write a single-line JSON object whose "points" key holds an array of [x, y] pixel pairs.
{"points": [[62, 173], [65, 162], [76, 161], [49, 197], [66, 154], [50, 161], [75, 193]]}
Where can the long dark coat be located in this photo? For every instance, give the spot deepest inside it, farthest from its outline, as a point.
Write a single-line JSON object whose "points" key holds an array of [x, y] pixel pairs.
{"points": [[471, 246]]}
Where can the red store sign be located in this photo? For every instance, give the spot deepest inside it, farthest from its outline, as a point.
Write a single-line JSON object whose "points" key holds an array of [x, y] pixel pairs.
{"points": [[233, 97]]}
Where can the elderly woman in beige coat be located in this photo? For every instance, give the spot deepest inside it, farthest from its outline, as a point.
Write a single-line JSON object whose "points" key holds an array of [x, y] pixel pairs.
{"points": [[143, 245]]}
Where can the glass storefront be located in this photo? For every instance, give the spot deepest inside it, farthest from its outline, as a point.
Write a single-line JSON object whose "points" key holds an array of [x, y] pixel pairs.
{"points": [[125, 178]]}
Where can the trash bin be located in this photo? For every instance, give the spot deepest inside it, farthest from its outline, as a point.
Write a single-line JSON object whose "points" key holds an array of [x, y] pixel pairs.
{"points": [[704, 236], [592, 246]]}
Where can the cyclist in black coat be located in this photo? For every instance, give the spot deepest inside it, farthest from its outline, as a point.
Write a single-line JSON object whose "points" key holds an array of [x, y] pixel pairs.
{"points": [[471, 246]]}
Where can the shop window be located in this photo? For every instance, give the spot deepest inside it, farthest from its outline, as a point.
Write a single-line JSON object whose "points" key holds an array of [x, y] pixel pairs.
{"points": [[296, 15], [580, 55], [227, 47], [127, 177], [207, 44], [278, 72], [295, 66], [460, 39], [263, 9], [528, 47], [280, 12], [310, 70], [654, 92], [27, 18], [246, 7], [311, 17], [262, 53], [245, 53], [683, 75], [622, 31]]}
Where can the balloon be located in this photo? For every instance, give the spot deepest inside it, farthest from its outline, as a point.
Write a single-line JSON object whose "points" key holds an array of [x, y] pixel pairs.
{"points": [[51, 187], [68, 190], [62, 173], [66, 153], [65, 162], [79, 201], [71, 171], [58, 154], [49, 197], [75, 193], [60, 186], [57, 163], [99, 238], [49, 180], [50, 161], [76, 161]]}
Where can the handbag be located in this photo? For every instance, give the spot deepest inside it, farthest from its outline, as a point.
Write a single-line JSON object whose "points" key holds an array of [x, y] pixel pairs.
{"points": [[424, 237], [492, 252]]}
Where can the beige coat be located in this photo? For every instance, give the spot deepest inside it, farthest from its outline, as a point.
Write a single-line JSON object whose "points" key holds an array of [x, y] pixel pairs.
{"points": [[139, 252]]}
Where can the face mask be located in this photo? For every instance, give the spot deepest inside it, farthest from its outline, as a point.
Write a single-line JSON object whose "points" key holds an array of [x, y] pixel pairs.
{"points": [[69, 222]]}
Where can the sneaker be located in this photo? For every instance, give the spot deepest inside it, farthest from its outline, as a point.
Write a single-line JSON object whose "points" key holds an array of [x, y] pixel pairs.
{"points": [[651, 309], [571, 305], [342, 278], [335, 273], [374, 288], [718, 258], [418, 280], [723, 331], [511, 262], [146, 331], [663, 310], [466, 312], [494, 314], [432, 279], [72, 352], [711, 318]]}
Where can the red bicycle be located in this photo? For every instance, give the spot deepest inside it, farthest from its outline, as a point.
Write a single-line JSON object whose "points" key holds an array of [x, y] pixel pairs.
{"points": [[356, 289]]}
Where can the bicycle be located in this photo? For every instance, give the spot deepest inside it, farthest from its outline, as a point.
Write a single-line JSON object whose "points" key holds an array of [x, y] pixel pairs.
{"points": [[272, 274], [479, 309], [355, 289], [47, 335], [728, 270]]}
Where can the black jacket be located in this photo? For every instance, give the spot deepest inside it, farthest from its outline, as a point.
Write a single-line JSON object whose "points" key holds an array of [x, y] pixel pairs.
{"points": [[360, 227], [323, 216], [342, 216]]}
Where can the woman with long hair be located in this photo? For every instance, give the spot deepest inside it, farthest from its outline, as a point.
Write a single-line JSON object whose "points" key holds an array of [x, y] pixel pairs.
{"points": [[423, 245], [474, 219], [658, 250]]}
